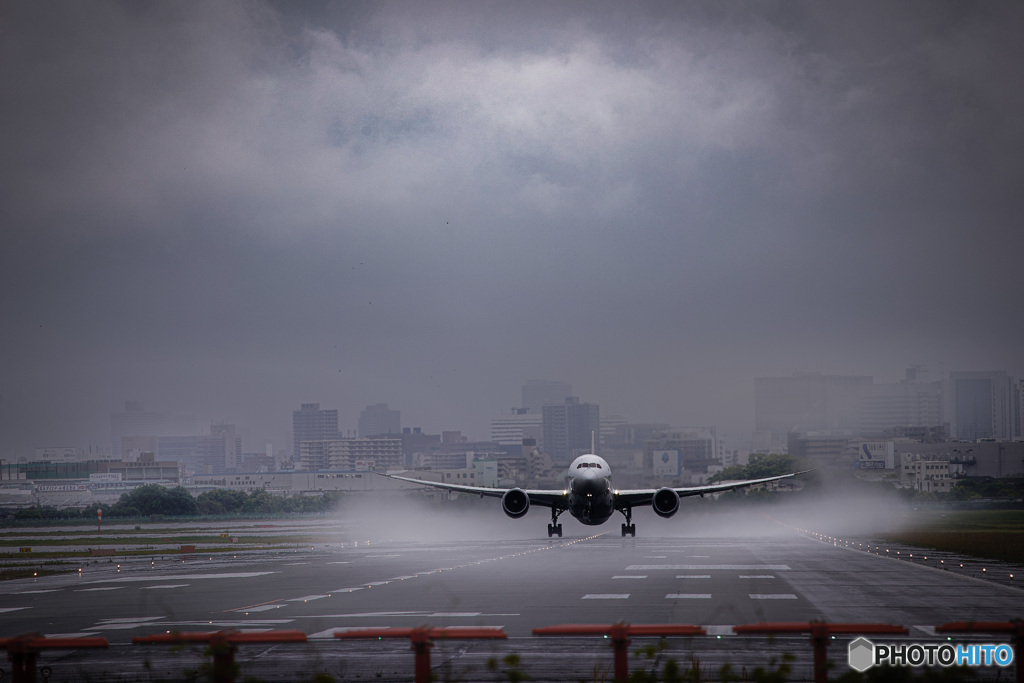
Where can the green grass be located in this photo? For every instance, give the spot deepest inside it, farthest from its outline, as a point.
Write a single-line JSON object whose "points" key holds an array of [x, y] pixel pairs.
{"points": [[992, 534], [10, 573], [76, 554], [117, 537]]}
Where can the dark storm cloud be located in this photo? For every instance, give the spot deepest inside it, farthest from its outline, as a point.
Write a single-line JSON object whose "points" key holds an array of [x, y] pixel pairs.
{"points": [[229, 208]]}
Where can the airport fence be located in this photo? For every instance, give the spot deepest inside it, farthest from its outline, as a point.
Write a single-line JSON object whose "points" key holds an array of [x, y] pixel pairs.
{"points": [[221, 646]]}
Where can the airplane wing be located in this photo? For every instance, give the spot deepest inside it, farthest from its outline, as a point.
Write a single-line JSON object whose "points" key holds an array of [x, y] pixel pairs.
{"points": [[546, 497], [635, 497]]}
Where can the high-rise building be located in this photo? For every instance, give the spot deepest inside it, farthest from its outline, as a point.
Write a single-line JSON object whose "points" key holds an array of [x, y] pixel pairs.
{"points": [[377, 420], [681, 454], [908, 404], [569, 428], [511, 429], [1017, 399], [136, 421], [232, 445], [983, 405], [538, 393], [808, 402], [312, 424], [351, 454]]}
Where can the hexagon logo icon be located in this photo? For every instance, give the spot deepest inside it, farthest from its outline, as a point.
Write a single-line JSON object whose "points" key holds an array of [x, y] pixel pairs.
{"points": [[862, 654]]}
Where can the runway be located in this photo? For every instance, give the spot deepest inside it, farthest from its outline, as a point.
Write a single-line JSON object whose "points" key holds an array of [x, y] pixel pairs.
{"points": [[772, 574]]}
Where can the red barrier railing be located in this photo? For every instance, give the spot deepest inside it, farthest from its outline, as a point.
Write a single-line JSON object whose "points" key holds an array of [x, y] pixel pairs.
{"points": [[23, 650], [820, 632], [1014, 628], [619, 634], [423, 638], [222, 645]]}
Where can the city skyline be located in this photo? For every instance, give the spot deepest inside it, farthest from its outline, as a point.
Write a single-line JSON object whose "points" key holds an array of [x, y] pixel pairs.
{"points": [[922, 407], [228, 209]]}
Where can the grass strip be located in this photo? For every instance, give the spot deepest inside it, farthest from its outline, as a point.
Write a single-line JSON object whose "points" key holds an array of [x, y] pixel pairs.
{"points": [[11, 573], [1005, 545], [108, 539], [73, 554]]}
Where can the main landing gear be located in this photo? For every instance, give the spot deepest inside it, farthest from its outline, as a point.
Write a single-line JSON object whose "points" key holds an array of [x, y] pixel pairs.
{"points": [[628, 529], [555, 528]]}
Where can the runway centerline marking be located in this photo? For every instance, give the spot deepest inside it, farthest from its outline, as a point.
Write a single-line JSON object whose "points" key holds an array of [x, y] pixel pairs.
{"points": [[165, 585], [630, 576], [12, 609], [688, 596], [104, 588], [242, 609], [308, 598], [261, 608], [693, 576], [772, 596], [184, 577], [757, 576], [605, 596], [698, 567]]}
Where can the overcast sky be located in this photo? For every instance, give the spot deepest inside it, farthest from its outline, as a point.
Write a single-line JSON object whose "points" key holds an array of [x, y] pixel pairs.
{"points": [[229, 208]]}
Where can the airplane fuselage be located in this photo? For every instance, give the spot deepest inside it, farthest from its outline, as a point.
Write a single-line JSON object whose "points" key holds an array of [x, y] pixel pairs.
{"points": [[590, 493]]}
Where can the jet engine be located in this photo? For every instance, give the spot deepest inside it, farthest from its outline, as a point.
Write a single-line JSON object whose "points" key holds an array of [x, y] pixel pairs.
{"points": [[665, 502], [516, 503]]}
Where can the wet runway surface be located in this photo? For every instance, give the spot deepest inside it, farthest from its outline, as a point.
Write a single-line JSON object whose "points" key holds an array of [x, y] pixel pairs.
{"points": [[515, 584]]}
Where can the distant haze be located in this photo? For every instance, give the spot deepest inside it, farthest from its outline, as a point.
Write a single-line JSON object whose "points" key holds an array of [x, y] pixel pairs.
{"points": [[226, 209]]}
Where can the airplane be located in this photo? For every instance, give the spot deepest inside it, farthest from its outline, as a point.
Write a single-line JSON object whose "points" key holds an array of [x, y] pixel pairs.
{"points": [[590, 497]]}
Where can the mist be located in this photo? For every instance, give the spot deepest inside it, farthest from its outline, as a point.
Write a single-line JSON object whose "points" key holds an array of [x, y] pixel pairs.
{"points": [[833, 509], [230, 208]]}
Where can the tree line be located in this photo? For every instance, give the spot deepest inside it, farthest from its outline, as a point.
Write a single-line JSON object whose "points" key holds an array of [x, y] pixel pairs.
{"points": [[153, 499]]}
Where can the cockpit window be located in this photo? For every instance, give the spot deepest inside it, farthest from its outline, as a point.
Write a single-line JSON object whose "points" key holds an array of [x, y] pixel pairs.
{"points": [[588, 464]]}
